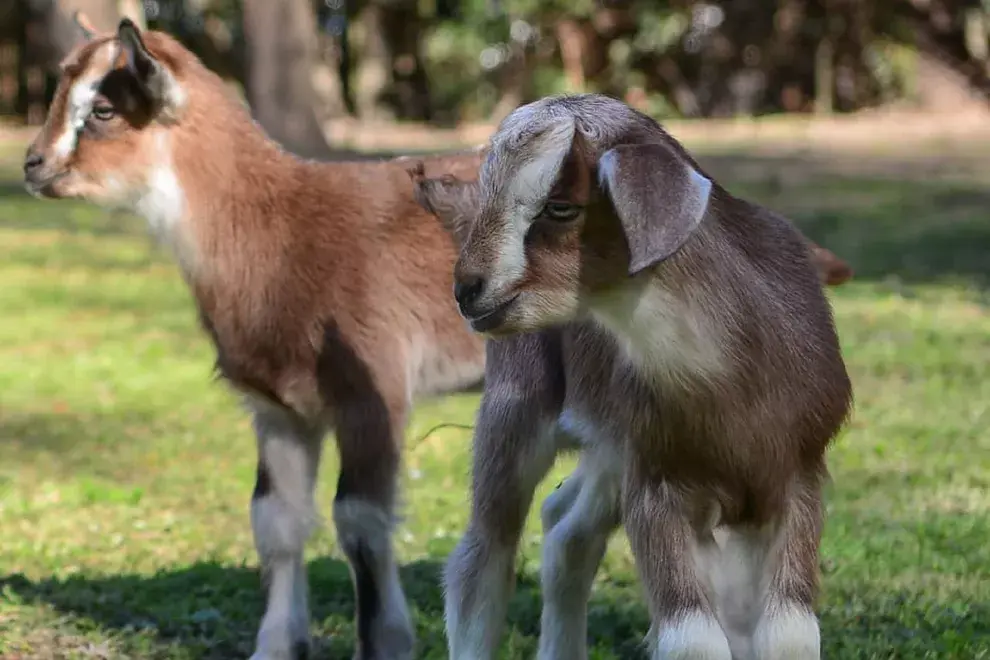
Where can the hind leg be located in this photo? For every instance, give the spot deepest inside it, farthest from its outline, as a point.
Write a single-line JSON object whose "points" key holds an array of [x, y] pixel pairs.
{"points": [[282, 516], [369, 436], [578, 519]]}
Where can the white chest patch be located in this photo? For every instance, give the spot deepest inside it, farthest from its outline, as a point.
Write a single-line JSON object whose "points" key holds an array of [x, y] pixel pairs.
{"points": [[667, 337], [159, 199], [163, 203]]}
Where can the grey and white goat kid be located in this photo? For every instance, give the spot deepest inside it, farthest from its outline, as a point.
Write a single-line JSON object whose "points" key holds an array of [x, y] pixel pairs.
{"points": [[680, 337]]}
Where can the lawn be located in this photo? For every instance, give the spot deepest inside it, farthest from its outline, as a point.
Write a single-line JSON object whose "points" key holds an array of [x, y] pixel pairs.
{"points": [[126, 471]]}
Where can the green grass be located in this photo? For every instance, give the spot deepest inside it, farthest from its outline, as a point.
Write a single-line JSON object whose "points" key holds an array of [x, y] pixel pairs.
{"points": [[125, 471]]}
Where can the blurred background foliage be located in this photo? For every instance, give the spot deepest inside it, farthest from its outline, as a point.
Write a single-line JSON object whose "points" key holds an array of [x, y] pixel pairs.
{"points": [[451, 61]]}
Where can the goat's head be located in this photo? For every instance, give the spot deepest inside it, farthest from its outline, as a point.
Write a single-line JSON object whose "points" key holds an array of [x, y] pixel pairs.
{"points": [[455, 202], [576, 194], [105, 135]]}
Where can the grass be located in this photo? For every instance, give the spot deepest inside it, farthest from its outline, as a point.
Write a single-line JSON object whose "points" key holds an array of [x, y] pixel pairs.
{"points": [[125, 472]]}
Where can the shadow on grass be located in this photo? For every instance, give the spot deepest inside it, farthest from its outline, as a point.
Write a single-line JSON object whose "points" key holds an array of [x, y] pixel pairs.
{"points": [[211, 611]]}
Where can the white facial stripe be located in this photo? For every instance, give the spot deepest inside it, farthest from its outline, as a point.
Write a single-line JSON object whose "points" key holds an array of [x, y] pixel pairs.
{"points": [[525, 194], [532, 182], [81, 96], [80, 105]]}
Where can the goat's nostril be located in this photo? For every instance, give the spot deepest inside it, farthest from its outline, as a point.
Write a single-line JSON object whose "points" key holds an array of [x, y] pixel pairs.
{"points": [[468, 288], [33, 161]]}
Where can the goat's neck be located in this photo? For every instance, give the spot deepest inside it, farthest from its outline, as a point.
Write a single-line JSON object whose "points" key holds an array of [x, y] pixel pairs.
{"points": [[214, 198]]}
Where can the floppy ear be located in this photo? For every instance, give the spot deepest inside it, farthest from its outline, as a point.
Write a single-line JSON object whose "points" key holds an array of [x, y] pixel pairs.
{"points": [[452, 200], [157, 82], [659, 197]]}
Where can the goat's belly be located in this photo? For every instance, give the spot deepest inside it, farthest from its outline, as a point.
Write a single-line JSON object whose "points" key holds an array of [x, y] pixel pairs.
{"points": [[437, 373]]}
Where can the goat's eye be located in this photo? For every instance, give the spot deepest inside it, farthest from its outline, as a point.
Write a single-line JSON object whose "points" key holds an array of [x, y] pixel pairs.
{"points": [[103, 111], [561, 211]]}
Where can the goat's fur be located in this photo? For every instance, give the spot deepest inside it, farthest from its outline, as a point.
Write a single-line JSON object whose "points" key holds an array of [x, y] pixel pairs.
{"points": [[324, 288], [680, 337]]}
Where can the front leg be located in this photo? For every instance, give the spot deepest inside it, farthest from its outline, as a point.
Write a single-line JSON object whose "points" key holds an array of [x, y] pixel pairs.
{"points": [[514, 447], [282, 517]]}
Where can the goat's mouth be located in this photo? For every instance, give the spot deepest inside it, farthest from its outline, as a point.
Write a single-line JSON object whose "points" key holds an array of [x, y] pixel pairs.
{"points": [[44, 188], [493, 318]]}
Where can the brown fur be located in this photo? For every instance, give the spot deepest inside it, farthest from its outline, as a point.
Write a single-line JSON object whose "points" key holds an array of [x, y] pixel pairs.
{"points": [[324, 287], [711, 413]]}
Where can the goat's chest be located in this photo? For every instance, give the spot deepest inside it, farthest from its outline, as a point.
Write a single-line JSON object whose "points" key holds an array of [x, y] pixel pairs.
{"points": [[665, 413]]}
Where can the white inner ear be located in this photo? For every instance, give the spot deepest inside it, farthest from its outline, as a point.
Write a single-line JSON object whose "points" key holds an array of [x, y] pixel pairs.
{"points": [[533, 181], [699, 192], [173, 96]]}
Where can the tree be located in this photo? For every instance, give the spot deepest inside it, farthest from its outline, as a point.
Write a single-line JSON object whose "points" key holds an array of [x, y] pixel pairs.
{"points": [[281, 53]]}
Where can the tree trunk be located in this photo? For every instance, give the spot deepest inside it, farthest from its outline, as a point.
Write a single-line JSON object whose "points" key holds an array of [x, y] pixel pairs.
{"points": [[409, 94], [280, 40], [824, 77], [373, 76], [571, 39]]}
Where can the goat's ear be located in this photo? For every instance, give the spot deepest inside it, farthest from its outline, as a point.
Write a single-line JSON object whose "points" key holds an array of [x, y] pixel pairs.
{"points": [[454, 201], [157, 82], [832, 270], [84, 27], [659, 197]]}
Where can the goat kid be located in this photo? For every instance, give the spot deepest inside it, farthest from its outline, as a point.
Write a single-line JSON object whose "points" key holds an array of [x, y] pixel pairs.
{"points": [[678, 335], [324, 288]]}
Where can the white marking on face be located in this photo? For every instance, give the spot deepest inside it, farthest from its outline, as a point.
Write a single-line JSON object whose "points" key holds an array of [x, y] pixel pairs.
{"points": [[525, 194], [80, 99]]}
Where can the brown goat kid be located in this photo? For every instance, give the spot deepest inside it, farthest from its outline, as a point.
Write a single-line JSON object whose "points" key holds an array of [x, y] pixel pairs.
{"points": [[325, 288], [679, 337]]}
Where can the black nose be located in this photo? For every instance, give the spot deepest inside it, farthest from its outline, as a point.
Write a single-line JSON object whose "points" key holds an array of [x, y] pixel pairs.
{"points": [[33, 161], [467, 289]]}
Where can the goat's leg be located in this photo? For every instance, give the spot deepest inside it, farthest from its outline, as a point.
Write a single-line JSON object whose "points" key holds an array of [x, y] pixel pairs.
{"points": [[369, 436], [669, 551], [513, 450], [282, 517], [788, 628], [578, 519]]}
